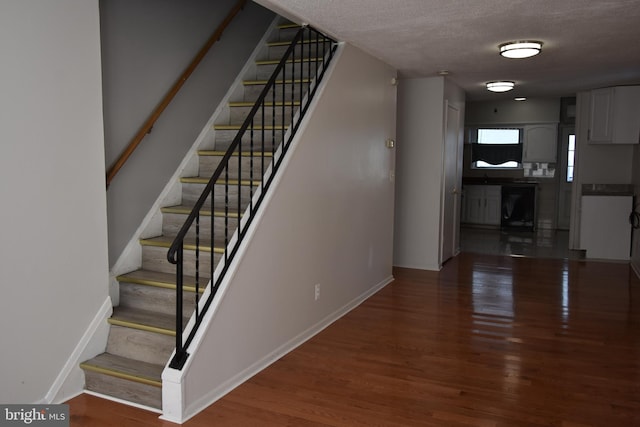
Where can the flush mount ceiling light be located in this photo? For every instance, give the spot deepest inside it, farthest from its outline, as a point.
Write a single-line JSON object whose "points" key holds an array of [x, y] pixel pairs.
{"points": [[520, 49], [500, 86]]}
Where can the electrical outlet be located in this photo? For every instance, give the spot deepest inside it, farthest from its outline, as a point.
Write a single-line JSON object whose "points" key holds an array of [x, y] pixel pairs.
{"points": [[317, 291]]}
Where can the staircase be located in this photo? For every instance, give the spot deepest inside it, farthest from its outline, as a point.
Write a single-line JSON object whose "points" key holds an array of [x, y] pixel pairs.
{"points": [[142, 328]]}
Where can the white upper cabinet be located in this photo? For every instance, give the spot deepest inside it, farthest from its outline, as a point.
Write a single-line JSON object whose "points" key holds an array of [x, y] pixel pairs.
{"points": [[614, 117], [540, 143]]}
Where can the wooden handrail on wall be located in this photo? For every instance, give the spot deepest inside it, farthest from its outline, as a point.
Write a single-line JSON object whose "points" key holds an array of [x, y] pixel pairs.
{"points": [[148, 125]]}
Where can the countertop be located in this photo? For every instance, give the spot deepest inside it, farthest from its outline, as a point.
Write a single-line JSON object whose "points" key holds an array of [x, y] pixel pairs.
{"points": [[607, 190], [497, 181]]}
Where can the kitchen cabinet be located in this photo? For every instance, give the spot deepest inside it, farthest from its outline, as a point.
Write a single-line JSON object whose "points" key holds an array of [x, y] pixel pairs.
{"points": [[614, 115], [540, 143], [482, 204]]}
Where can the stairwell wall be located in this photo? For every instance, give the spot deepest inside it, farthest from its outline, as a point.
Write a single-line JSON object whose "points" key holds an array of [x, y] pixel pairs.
{"points": [[146, 45], [328, 221], [53, 257]]}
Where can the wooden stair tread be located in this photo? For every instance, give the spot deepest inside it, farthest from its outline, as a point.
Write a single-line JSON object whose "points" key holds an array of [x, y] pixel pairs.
{"points": [[245, 104], [278, 82], [161, 280], [123, 367], [217, 153], [288, 25], [277, 61], [288, 42], [186, 210], [230, 182], [255, 127], [144, 320], [189, 242]]}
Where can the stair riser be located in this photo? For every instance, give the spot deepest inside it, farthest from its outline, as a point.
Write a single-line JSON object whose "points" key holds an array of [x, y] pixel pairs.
{"points": [[252, 92], [142, 394], [208, 165], [172, 223], [155, 258], [146, 346], [153, 298], [224, 138], [191, 193], [264, 71], [284, 34], [308, 50], [239, 114]]}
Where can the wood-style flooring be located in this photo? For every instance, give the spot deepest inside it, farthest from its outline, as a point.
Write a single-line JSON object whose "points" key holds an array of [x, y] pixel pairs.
{"points": [[487, 341]]}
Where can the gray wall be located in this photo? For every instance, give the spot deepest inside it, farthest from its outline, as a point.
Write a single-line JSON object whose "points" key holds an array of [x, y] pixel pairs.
{"points": [[53, 257], [508, 111], [146, 44]]}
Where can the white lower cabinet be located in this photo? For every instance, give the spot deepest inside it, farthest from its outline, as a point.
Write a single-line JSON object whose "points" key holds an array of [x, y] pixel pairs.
{"points": [[605, 232], [482, 204]]}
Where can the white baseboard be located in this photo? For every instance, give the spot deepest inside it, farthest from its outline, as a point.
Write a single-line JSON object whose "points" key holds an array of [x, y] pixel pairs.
{"points": [[278, 353], [70, 380], [122, 401]]}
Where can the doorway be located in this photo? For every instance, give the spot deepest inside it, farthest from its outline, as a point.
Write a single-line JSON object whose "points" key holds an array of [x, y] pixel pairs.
{"points": [[450, 215], [566, 150]]}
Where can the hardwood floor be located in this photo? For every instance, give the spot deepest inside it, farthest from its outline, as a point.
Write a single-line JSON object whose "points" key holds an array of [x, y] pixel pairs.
{"points": [[487, 341]]}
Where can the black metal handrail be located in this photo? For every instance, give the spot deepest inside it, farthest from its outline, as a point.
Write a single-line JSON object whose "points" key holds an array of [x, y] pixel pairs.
{"points": [[264, 136]]}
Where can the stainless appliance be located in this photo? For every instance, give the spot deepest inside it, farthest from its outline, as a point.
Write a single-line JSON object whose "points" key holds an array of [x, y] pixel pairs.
{"points": [[518, 206]]}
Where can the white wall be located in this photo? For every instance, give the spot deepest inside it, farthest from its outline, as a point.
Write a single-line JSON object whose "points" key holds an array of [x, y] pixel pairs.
{"points": [[508, 111], [53, 257], [329, 221], [146, 45], [419, 173]]}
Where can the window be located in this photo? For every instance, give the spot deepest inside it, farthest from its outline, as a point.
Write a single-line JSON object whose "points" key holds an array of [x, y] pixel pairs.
{"points": [[496, 148], [571, 154]]}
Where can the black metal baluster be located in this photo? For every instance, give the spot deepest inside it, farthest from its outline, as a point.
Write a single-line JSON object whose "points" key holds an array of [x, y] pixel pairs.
{"points": [[181, 354], [302, 79], [317, 51], [197, 260], [212, 232], [309, 60], [240, 175], [273, 121], [262, 108], [293, 93], [226, 212], [284, 100], [251, 165]]}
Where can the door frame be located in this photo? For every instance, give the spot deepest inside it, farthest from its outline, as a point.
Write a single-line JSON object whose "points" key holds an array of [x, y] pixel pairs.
{"points": [[450, 243]]}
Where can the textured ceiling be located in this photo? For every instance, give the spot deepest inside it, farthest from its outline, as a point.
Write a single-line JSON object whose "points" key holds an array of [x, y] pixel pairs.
{"points": [[587, 43]]}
